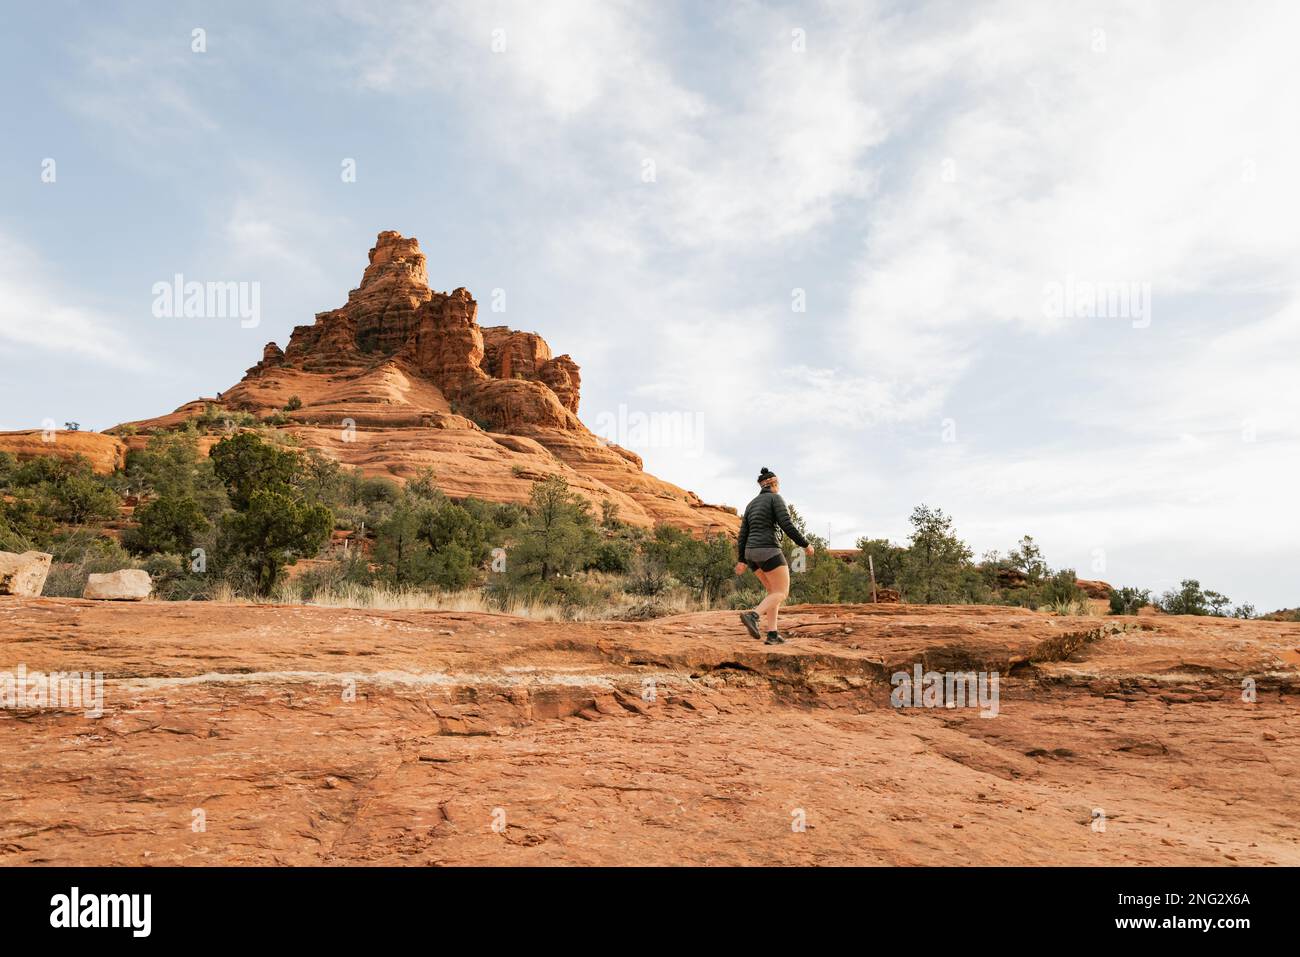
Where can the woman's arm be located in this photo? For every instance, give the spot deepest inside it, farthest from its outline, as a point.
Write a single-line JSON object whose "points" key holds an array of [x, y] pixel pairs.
{"points": [[782, 516], [741, 538]]}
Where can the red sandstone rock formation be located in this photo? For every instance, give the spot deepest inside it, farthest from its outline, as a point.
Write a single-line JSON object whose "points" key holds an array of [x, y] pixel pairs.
{"points": [[402, 378], [1094, 589], [105, 453], [238, 709]]}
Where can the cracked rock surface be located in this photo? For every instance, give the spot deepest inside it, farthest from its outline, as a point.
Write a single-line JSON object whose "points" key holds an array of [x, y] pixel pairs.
{"points": [[243, 734]]}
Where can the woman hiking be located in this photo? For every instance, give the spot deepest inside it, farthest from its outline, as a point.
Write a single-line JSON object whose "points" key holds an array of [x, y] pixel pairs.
{"points": [[758, 550]]}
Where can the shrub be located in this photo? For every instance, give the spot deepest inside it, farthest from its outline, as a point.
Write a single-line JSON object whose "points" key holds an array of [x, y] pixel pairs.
{"points": [[80, 499], [319, 478], [933, 568], [452, 567], [66, 491], [272, 523], [435, 541], [855, 583], [503, 516], [271, 530], [170, 466], [570, 592], [1127, 601], [614, 555], [887, 558], [448, 524], [173, 580], [425, 486], [46, 470], [22, 525], [1191, 599], [1061, 588], [705, 565], [1282, 614], [819, 582], [332, 576], [1071, 607], [1028, 559], [648, 575], [245, 465], [558, 535], [399, 549], [166, 525], [748, 595], [77, 555], [219, 417], [352, 517], [378, 489]]}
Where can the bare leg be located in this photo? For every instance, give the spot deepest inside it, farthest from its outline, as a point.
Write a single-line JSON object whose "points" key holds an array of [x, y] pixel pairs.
{"points": [[762, 580], [777, 583]]}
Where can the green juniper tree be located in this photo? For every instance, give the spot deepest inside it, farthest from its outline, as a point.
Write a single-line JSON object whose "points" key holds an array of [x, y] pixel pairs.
{"points": [[271, 523], [937, 561], [557, 537]]}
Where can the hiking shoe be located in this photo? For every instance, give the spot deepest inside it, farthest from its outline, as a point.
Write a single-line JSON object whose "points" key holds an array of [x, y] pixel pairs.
{"points": [[774, 638], [750, 620]]}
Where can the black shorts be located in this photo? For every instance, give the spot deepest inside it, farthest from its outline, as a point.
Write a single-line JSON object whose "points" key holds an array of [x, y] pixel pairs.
{"points": [[764, 558]]}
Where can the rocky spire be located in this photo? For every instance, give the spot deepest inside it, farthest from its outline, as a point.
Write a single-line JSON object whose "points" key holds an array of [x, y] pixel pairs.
{"points": [[394, 315]]}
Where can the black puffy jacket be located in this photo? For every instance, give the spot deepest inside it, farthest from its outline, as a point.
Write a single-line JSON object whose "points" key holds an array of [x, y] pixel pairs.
{"points": [[763, 516]]}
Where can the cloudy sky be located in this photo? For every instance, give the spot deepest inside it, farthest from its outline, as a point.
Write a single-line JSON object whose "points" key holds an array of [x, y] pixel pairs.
{"points": [[1033, 263]]}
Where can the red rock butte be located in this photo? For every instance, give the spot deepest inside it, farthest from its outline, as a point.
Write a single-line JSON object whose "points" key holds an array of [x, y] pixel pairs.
{"points": [[402, 378]]}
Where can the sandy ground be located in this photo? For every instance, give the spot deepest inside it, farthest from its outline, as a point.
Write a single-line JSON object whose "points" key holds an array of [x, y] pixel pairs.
{"points": [[237, 734]]}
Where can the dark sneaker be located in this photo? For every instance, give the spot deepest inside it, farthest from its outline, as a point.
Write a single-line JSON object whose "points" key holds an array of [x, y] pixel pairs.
{"points": [[750, 621], [774, 638]]}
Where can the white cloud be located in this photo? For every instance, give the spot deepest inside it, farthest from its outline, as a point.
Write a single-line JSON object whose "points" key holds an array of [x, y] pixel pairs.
{"points": [[1162, 160], [1237, 381], [141, 96], [1001, 150], [583, 93], [273, 235], [1219, 494], [37, 313]]}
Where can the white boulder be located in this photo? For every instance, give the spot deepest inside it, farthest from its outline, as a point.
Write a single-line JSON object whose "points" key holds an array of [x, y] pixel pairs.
{"points": [[130, 584], [23, 575]]}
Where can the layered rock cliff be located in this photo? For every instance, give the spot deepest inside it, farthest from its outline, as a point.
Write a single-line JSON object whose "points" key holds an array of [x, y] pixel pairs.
{"points": [[461, 712]]}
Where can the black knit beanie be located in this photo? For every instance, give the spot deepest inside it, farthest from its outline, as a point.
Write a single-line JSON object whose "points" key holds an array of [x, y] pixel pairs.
{"points": [[765, 475]]}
